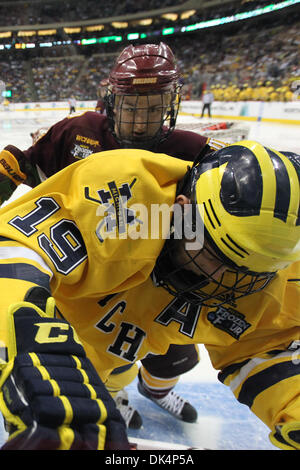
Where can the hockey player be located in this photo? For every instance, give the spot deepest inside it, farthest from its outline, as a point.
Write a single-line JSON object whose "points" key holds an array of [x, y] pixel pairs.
{"points": [[224, 272], [142, 106]]}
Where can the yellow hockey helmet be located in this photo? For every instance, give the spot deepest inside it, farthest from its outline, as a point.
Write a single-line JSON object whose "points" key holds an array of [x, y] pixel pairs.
{"points": [[248, 199], [250, 196]]}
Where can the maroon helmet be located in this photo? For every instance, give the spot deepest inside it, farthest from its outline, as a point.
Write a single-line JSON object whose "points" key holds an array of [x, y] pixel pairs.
{"points": [[143, 77], [148, 67]]}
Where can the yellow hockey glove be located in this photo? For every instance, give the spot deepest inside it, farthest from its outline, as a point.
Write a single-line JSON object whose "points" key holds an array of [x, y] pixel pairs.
{"points": [[51, 396], [286, 436]]}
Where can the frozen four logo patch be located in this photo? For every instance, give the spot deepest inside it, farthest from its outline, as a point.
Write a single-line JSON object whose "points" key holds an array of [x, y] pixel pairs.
{"points": [[80, 152], [228, 320]]}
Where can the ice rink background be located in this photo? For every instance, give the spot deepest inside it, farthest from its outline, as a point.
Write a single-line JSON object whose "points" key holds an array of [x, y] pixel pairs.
{"points": [[223, 423]]}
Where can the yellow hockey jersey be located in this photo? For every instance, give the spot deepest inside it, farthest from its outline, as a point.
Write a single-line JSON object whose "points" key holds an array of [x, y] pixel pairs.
{"points": [[92, 234]]}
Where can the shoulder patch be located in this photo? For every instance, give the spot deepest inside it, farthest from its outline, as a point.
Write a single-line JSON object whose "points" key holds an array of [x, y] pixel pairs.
{"points": [[80, 151], [228, 320]]}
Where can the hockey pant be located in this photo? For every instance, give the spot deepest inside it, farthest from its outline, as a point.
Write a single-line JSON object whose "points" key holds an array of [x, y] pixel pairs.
{"points": [[159, 373]]}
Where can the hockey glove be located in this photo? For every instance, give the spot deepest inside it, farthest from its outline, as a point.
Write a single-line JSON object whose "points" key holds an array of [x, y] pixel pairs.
{"points": [[51, 396], [7, 187], [287, 436]]}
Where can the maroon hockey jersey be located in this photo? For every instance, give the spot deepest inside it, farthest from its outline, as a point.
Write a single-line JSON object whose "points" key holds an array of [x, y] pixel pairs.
{"points": [[77, 137]]}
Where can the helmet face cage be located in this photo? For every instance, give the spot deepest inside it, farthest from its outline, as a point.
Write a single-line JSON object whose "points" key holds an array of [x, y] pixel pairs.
{"points": [[142, 120], [206, 288]]}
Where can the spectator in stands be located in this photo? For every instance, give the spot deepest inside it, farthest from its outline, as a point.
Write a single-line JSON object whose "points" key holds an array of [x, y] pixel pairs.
{"points": [[251, 54]]}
